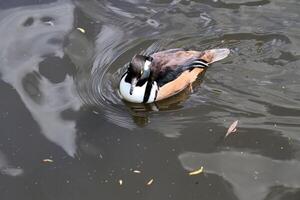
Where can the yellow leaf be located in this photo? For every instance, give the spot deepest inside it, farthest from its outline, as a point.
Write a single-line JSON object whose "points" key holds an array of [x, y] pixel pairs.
{"points": [[198, 171], [48, 160], [121, 182], [150, 182], [81, 30]]}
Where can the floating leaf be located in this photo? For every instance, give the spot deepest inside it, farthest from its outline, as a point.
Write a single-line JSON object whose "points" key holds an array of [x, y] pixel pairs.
{"points": [[95, 112], [150, 182], [198, 171], [121, 182], [50, 23], [81, 30], [48, 161], [232, 128]]}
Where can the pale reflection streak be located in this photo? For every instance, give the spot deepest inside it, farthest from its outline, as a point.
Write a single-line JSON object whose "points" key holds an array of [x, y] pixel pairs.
{"points": [[250, 175], [7, 169], [28, 32]]}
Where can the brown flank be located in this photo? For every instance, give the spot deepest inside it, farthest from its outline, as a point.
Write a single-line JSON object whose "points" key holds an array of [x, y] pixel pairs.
{"points": [[186, 78]]}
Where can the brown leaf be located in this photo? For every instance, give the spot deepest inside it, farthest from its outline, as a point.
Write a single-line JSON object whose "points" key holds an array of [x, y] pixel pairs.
{"points": [[232, 128]]}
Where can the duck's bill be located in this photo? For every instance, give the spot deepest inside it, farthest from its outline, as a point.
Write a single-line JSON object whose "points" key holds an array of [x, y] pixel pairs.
{"points": [[133, 84]]}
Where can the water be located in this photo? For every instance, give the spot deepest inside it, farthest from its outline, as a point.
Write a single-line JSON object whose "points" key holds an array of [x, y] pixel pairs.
{"points": [[60, 101]]}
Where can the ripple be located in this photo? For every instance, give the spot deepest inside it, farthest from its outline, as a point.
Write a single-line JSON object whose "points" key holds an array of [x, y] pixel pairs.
{"points": [[99, 84], [243, 85]]}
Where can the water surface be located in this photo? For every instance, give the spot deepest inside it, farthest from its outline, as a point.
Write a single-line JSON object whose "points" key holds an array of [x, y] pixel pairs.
{"points": [[60, 101]]}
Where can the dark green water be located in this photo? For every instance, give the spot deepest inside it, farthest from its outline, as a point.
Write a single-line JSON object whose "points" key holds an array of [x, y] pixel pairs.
{"points": [[59, 101]]}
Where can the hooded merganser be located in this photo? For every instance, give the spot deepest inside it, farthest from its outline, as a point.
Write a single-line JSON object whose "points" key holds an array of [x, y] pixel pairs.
{"points": [[165, 73]]}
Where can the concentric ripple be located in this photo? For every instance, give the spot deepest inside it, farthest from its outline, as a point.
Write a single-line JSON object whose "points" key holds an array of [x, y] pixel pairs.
{"points": [[101, 88], [243, 83]]}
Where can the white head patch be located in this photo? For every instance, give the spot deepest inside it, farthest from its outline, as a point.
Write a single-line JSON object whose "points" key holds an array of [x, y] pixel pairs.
{"points": [[147, 65]]}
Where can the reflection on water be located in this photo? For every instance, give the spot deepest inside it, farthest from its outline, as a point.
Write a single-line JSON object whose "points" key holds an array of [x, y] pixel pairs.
{"points": [[6, 169], [252, 176], [32, 34]]}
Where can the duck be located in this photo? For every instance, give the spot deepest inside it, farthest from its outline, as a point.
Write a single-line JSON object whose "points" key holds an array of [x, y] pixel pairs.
{"points": [[163, 74]]}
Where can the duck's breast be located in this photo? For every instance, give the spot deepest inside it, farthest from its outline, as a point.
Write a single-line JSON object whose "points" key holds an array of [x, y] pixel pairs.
{"points": [[139, 94]]}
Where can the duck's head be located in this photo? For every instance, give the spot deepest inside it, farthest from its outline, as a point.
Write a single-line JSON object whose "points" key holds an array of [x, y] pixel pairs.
{"points": [[139, 69]]}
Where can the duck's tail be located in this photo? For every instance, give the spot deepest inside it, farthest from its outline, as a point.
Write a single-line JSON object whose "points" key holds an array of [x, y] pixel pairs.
{"points": [[213, 55]]}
